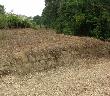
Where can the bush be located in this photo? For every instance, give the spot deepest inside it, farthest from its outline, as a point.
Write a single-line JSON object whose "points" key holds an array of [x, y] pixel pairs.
{"points": [[3, 21], [14, 21]]}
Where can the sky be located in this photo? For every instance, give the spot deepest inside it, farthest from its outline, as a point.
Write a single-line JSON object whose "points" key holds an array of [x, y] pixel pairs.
{"points": [[24, 7]]}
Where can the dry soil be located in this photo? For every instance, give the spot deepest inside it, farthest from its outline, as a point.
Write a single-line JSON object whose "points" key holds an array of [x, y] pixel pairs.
{"points": [[43, 63]]}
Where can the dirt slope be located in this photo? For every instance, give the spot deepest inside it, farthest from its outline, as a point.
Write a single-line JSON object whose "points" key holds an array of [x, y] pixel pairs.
{"points": [[43, 63]]}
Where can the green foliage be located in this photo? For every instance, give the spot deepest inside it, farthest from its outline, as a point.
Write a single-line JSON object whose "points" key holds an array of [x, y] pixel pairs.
{"points": [[50, 13], [78, 17], [3, 21], [2, 9], [14, 21], [37, 20]]}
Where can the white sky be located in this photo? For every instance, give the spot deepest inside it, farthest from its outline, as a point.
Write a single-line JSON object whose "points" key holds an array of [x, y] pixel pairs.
{"points": [[24, 7]]}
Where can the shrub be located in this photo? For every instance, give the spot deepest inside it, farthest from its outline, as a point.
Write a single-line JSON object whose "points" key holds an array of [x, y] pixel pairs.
{"points": [[3, 21]]}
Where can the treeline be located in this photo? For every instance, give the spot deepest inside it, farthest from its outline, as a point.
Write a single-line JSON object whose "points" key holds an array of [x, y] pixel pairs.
{"points": [[78, 17], [10, 20]]}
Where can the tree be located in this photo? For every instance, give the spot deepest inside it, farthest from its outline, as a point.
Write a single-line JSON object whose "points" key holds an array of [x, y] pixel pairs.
{"points": [[37, 20], [2, 9], [79, 17], [50, 12]]}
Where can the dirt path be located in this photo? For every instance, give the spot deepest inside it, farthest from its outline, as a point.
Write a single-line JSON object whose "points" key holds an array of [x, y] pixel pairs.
{"points": [[42, 63]]}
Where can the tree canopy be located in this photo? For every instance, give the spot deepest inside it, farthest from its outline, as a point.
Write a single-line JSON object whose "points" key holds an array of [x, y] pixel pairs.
{"points": [[78, 17]]}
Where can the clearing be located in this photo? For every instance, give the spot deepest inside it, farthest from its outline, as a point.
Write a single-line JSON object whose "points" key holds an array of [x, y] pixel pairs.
{"points": [[43, 63]]}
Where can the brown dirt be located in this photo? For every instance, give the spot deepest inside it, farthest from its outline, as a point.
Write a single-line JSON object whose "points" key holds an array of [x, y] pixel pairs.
{"points": [[43, 63]]}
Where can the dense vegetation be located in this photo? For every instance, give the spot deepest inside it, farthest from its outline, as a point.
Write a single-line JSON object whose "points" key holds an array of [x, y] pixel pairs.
{"points": [[72, 17], [78, 17], [10, 20]]}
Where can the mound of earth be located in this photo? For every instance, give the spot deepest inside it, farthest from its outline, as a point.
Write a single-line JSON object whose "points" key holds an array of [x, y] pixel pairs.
{"points": [[43, 63]]}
